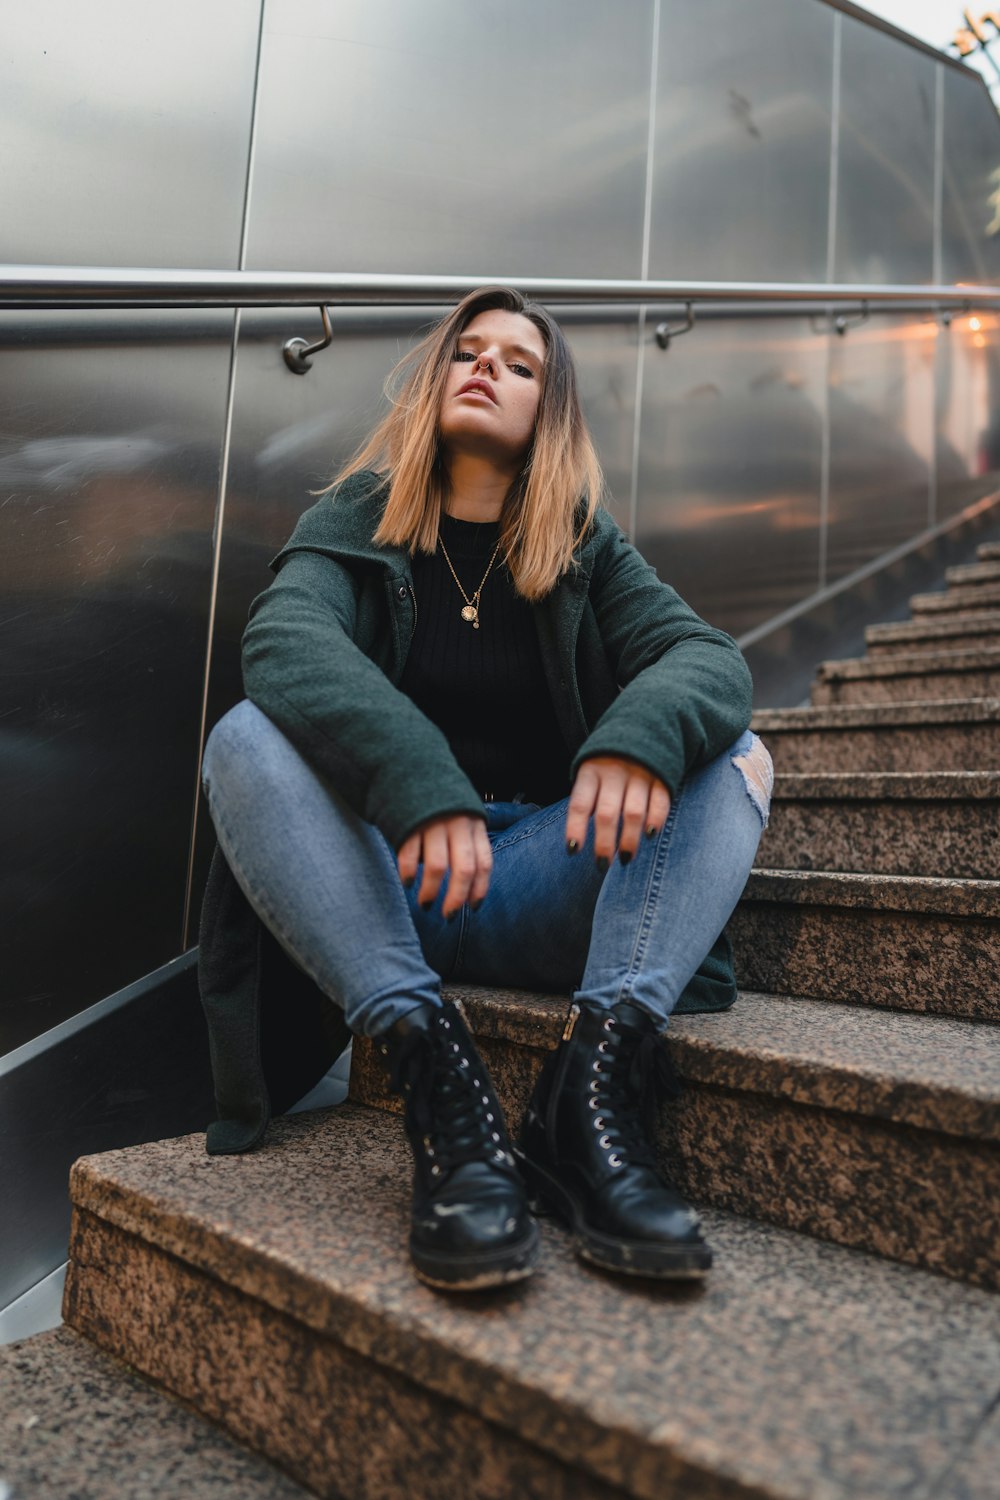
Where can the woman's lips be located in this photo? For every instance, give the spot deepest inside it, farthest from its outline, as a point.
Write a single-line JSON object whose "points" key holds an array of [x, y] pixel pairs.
{"points": [[483, 386]]}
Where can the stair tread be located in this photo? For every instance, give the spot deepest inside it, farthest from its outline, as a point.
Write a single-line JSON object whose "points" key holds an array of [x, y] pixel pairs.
{"points": [[919, 664], [77, 1424], [798, 1369], [936, 1072], [973, 573], [934, 894], [974, 597], [875, 715], [987, 623], [878, 785]]}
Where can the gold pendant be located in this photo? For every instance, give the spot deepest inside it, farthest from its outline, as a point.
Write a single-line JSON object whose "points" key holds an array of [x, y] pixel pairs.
{"points": [[471, 613]]}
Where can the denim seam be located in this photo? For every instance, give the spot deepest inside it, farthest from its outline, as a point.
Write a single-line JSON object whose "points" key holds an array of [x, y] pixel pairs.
{"points": [[508, 837]]}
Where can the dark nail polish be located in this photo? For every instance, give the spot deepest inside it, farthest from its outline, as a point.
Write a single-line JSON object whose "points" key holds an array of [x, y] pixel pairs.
{"points": [[451, 917], [602, 862], [572, 847], [651, 832], [427, 905], [409, 883], [475, 905], [624, 855]]}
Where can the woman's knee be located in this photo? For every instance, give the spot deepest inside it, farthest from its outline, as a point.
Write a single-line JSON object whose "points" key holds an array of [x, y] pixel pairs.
{"points": [[751, 758], [234, 743]]}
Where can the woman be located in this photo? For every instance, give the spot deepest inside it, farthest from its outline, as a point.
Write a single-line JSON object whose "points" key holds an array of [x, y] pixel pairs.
{"points": [[483, 741]]}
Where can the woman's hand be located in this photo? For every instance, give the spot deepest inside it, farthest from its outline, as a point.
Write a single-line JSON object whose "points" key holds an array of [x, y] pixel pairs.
{"points": [[457, 847], [615, 792]]}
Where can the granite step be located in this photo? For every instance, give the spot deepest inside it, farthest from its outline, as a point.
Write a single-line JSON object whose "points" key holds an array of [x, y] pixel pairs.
{"points": [[902, 678], [915, 943], [935, 633], [885, 1099], [894, 823], [958, 601], [77, 1424], [273, 1292], [924, 735], [988, 551], [974, 573]]}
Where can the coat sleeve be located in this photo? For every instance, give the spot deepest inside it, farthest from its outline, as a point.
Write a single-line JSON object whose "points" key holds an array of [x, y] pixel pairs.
{"points": [[685, 688], [302, 668]]}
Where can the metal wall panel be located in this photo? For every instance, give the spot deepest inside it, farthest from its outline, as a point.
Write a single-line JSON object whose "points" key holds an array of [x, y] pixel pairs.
{"points": [[124, 131], [970, 211], [885, 169], [730, 466], [403, 137], [881, 439], [742, 147], [968, 411], [109, 458]]}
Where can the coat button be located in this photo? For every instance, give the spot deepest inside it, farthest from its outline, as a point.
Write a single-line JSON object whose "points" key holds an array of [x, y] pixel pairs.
{"points": [[402, 591]]}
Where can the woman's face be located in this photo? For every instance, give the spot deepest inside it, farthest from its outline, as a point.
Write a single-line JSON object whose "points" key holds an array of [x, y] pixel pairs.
{"points": [[491, 397]]}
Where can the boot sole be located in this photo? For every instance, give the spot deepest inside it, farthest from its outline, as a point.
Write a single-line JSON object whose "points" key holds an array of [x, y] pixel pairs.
{"points": [[473, 1273], [612, 1253]]}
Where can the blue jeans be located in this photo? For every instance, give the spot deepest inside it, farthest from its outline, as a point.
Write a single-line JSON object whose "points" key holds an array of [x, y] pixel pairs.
{"points": [[326, 885]]}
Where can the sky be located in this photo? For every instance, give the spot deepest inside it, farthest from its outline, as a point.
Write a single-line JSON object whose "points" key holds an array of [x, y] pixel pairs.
{"points": [[936, 21]]}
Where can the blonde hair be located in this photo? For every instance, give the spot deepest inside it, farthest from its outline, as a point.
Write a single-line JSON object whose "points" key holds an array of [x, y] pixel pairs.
{"points": [[549, 506]]}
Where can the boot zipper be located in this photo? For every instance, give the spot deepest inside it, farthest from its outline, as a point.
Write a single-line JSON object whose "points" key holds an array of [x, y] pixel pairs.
{"points": [[571, 1020]]}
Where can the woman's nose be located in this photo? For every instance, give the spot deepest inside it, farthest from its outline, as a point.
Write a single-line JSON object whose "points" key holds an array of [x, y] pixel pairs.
{"points": [[484, 361]]}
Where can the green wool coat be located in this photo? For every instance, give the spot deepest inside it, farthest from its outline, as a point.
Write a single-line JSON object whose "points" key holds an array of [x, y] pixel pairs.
{"points": [[632, 671]]}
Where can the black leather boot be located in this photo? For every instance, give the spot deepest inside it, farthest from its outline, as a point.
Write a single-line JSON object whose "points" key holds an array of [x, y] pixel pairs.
{"points": [[470, 1225], [585, 1150]]}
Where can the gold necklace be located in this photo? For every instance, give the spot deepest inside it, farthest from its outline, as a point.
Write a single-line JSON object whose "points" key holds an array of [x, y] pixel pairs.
{"points": [[471, 611]]}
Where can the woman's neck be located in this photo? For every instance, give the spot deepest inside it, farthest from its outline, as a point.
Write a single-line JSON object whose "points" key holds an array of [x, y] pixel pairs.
{"points": [[474, 489]]}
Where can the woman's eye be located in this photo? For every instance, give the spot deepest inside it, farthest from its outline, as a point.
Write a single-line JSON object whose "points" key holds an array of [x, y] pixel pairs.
{"points": [[465, 354], [525, 371]]}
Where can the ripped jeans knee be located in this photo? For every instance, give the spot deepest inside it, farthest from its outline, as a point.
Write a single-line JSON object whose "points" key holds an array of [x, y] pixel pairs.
{"points": [[751, 758]]}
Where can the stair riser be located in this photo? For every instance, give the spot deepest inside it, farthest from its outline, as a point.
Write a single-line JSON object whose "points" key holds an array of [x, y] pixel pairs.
{"points": [[973, 575], [302, 1399], [954, 840], [897, 960], [917, 747], [957, 600], [973, 638], [776, 1159], [988, 552], [912, 688]]}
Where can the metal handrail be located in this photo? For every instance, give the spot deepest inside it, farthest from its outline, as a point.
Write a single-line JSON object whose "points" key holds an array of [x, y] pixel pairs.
{"points": [[65, 287]]}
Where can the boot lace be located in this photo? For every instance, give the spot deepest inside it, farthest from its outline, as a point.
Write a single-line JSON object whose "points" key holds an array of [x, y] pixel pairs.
{"points": [[637, 1076], [450, 1105]]}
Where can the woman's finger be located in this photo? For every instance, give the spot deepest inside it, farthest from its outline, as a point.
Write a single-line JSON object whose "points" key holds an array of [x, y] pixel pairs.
{"points": [[462, 864], [659, 808], [435, 841], [484, 863], [608, 812], [581, 805], [635, 814], [408, 858]]}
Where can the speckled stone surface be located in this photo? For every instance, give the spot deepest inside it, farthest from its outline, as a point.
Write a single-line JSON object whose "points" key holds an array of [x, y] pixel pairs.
{"points": [[884, 940], [935, 634], [76, 1424], [945, 824], [950, 735], [988, 551], [858, 1072], [965, 574], [906, 677], [957, 600], [797, 1370]]}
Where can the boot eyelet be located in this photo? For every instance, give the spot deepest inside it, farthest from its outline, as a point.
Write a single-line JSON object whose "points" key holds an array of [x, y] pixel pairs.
{"points": [[446, 1025], [486, 1098], [495, 1136], [476, 1084], [489, 1118], [602, 1046], [384, 1049], [593, 1103], [597, 1065], [599, 1122], [609, 1023], [595, 1088], [605, 1143], [614, 1160], [499, 1155], [435, 1170], [455, 1047], [463, 1062]]}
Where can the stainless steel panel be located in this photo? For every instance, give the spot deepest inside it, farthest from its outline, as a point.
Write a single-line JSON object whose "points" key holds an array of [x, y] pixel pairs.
{"points": [[968, 411], [885, 171], [125, 131], [742, 148], [410, 137], [730, 466], [970, 211], [110, 439], [881, 439]]}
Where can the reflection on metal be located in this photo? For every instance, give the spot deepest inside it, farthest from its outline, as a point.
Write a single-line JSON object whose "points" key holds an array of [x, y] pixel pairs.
{"points": [[298, 353], [664, 332]]}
